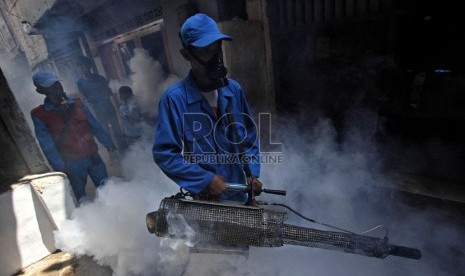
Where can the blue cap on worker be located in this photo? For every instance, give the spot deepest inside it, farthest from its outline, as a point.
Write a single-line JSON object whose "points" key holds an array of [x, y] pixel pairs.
{"points": [[200, 30], [44, 78]]}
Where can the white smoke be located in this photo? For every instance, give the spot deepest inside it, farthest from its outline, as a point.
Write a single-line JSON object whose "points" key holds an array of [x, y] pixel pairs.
{"points": [[331, 183], [112, 228], [147, 80], [323, 181]]}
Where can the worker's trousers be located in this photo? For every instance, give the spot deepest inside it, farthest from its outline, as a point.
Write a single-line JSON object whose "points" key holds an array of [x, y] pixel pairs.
{"points": [[78, 170]]}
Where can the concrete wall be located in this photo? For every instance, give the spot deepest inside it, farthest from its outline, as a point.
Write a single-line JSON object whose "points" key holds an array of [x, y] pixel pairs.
{"points": [[29, 214], [16, 39], [172, 26], [246, 60], [21, 154], [33, 10], [26, 231]]}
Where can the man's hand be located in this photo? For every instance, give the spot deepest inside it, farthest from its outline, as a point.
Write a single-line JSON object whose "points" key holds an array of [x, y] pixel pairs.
{"points": [[255, 183], [217, 185]]}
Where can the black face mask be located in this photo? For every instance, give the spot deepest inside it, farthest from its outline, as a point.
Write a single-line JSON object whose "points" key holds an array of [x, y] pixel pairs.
{"points": [[55, 94], [214, 70], [60, 96]]}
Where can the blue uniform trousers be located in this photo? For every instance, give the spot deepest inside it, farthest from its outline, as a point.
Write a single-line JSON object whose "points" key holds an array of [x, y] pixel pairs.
{"points": [[78, 170]]}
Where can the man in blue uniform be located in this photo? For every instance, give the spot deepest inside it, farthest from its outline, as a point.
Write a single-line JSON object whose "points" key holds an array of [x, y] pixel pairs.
{"points": [[205, 133], [65, 129], [95, 90]]}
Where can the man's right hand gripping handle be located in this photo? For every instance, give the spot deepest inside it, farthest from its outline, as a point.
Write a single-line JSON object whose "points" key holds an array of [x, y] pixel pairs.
{"points": [[217, 185]]}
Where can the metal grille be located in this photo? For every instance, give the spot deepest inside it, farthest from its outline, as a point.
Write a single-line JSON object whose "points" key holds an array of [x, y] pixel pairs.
{"points": [[137, 21], [292, 14], [235, 225], [223, 224], [345, 242]]}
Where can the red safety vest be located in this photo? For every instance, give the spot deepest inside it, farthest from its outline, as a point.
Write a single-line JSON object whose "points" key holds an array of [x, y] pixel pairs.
{"points": [[78, 141]]}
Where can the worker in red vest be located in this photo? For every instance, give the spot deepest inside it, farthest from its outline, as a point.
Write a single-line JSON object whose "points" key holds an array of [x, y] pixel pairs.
{"points": [[65, 129]]}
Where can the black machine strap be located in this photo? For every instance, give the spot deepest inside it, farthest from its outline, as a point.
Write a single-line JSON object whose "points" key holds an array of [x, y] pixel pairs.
{"points": [[68, 115], [245, 165], [231, 120]]}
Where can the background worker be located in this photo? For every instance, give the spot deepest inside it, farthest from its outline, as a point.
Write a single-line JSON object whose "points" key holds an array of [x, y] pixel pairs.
{"points": [[95, 90], [65, 129]]}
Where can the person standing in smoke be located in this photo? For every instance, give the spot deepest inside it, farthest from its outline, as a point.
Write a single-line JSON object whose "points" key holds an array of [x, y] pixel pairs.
{"points": [[95, 90], [65, 129], [195, 119], [130, 114]]}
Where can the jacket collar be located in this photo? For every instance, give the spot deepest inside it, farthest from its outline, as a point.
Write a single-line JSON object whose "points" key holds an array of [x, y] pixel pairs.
{"points": [[50, 106], [194, 94]]}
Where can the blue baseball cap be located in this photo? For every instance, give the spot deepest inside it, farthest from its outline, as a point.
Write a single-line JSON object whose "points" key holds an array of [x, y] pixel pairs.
{"points": [[44, 79], [200, 30]]}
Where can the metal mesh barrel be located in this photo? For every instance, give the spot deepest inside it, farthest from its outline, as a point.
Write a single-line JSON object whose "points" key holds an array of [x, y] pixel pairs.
{"points": [[220, 223], [235, 225], [346, 242]]}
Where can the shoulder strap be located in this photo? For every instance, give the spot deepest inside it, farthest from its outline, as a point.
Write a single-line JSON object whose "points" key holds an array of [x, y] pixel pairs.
{"points": [[64, 132], [245, 165], [231, 120]]}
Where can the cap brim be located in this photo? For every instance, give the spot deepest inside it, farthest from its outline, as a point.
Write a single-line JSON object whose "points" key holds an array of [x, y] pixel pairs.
{"points": [[209, 39], [49, 83]]}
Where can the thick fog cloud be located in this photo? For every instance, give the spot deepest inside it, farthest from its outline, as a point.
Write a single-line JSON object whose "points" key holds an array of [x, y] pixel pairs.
{"points": [[147, 80], [324, 181], [331, 182]]}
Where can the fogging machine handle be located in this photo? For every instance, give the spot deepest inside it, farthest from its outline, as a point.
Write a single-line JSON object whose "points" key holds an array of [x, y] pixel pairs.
{"points": [[274, 192], [245, 189]]}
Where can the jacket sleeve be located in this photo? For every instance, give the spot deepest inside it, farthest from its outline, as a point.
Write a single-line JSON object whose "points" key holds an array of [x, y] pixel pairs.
{"points": [[101, 135], [104, 85], [168, 147], [251, 142], [47, 144], [82, 92]]}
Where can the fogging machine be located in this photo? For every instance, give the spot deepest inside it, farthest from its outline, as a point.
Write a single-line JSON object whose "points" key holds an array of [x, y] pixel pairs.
{"points": [[235, 225]]}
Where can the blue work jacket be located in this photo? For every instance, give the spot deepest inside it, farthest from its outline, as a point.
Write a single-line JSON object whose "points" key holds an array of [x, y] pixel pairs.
{"points": [[47, 143], [193, 144]]}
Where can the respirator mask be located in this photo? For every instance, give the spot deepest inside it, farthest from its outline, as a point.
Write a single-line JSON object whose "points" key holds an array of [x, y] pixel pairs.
{"points": [[215, 70], [61, 97], [55, 93]]}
